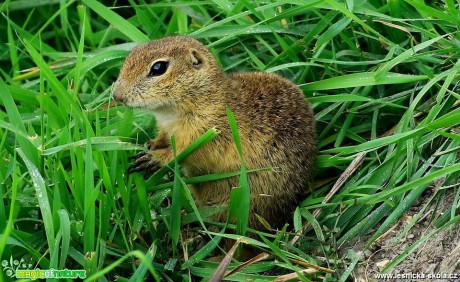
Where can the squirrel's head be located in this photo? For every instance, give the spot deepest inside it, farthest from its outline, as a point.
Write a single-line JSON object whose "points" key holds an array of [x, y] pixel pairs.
{"points": [[166, 72]]}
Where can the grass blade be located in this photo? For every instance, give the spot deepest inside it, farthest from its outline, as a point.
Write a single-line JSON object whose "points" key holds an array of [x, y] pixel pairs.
{"points": [[42, 198], [117, 21], [239, 196], [361, 79], [176, 206]]}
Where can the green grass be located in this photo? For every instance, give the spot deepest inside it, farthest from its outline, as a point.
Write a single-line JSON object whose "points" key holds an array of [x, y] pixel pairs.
{"points": [[382, 80]]}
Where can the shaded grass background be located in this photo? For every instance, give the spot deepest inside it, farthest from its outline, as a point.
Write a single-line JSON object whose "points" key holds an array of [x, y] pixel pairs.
{"points": [[382, 80]]}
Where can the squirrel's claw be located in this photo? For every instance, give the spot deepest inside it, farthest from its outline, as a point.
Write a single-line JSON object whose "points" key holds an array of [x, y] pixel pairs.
{"points": [[144, 162], [137, 156]]}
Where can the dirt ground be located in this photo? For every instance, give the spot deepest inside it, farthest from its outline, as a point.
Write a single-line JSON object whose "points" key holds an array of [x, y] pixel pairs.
{"points": [[438, 255]]}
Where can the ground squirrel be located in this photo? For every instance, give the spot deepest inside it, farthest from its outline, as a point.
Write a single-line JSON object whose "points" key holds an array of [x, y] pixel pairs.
{"points": [[179, 80]]}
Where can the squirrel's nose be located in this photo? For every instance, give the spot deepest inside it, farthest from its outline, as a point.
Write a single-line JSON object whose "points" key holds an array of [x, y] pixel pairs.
{"points": [[117, 93]]}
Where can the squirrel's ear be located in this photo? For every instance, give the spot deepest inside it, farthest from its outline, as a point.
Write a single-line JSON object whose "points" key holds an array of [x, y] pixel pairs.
{"points": [[196, 58]]}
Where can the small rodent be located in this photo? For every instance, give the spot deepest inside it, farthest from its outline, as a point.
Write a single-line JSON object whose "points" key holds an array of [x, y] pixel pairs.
{"points": [[179, 80]]}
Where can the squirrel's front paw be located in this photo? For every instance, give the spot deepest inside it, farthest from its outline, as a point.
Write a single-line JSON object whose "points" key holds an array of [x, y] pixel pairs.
{"points": [[144, 161]]}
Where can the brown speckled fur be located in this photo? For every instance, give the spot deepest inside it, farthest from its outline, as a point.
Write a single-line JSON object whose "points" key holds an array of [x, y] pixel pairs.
{"points": [[275, 123]]}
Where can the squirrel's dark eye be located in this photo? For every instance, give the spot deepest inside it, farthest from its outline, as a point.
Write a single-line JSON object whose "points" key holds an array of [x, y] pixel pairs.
{"points": [[158, 68]]}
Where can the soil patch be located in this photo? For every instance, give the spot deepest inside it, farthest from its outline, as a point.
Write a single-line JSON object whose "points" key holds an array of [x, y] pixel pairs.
{"points": [[438, 256]]}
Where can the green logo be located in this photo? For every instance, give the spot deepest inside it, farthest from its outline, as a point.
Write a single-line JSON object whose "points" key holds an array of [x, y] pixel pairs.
{"points": [[20, 269], [10, 267]]}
